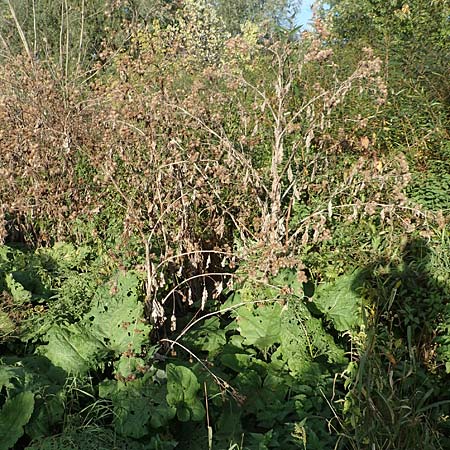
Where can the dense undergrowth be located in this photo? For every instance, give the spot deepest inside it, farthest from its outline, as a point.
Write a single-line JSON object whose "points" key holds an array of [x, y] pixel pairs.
{"points": [[221, 233]]}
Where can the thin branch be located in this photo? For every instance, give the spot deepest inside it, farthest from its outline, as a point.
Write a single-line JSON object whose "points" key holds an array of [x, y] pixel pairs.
{"points": [[220, 381], [34, 29], [193, 252], [20, 31], [66, 70], [226, 142], [5, 44], [61, 31], [193, 277], [223, 311], [80, 41]]}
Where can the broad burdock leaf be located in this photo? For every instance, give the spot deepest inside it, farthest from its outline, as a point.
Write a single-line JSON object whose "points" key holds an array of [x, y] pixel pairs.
{"points": [[66, 255], [260, 326], [14, 415], [137, 404], [291, 280], [340, 301], [117, 319], [182, 388], [35, 374], [18, 292], [6, 373], [207, 337], [303, 340], [114, 324], [73, 348]]}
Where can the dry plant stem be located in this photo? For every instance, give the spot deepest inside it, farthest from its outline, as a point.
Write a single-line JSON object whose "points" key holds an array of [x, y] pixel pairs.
{"points": [[207, 412], [20, 31], [219, 381], [193, 252], [61, 31], [256, 90], [94, 73], [161, 216], [228, 145], [4, 43], [194, 277], [154, 308], [354, 205], [66, 69], [274, 227], [239, 225], [34, 28], [80, 41], [223, 311], [129, 125]]}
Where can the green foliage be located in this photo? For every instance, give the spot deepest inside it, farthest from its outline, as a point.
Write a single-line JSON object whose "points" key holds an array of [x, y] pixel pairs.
{"points": [[201, 31], [276, 354], [340, 301], [43, 384], [138, 405], [94, 438], [19, 294], [416, 65], [210, 337], [61, 279], [237, 13], [305, 343], [14, 415], [430, 185], [261, 326], [75, 31], [113, 324], [182, 388], [72, 349]]}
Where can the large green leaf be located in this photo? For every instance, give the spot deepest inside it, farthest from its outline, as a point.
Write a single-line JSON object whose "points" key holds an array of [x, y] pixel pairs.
{"points": [[73, 348], [137, 404], [340, 301], [18, 292], [6, 373], [207, 337], [303, 340], [15, 414], [114, 324], [288, 279], [260, 326], [36, 374], [117, 319], [65, 255], [182, 388], [6, 324], [132, 409]]}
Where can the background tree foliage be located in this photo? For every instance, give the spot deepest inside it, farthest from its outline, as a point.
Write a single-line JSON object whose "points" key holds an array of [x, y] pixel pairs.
{"points": [[235, 14]]}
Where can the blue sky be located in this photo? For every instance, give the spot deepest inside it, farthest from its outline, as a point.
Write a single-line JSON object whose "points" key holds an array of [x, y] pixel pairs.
{"points": [[305, 13]]}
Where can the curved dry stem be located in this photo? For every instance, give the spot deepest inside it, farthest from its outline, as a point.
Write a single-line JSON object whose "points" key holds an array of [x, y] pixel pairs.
{"points": [[219, 381], [193, 277], [193, 252], [223, 311]]}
